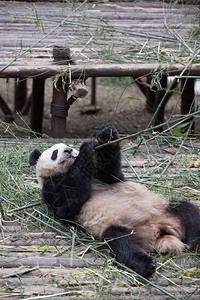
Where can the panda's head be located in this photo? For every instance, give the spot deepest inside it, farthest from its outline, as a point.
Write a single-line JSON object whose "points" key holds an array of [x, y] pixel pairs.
{"points": [[53, 161]]}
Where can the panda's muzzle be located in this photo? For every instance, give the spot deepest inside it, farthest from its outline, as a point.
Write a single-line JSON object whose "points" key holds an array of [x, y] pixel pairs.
{"points": [[71, 152], [68, 150]]}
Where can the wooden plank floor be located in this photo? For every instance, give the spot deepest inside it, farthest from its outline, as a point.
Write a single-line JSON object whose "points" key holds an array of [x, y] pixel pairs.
{"points": [[114, 32], [38, 264], [41, 261]]}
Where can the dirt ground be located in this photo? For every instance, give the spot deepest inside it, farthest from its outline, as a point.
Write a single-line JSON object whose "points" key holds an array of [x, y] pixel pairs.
{"points": [[116, 107]]}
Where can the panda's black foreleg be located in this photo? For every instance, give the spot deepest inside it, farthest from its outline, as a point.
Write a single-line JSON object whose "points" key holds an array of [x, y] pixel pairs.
{"points": [[189, 215], [108, 157], [67, 193], [128, 252]]}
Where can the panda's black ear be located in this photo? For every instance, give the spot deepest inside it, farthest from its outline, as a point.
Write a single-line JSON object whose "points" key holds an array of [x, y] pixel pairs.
{"points": [[33, 158]]}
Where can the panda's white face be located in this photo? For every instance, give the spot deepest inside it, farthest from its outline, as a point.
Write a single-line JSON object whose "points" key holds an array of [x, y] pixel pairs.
{"points": [[55, 161]]}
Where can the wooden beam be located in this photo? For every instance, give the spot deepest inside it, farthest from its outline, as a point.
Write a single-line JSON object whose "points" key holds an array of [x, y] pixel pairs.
{"points": [[98, 70]]}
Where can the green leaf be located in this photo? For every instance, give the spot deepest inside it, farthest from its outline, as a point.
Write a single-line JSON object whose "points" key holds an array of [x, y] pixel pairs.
{"points": [[37, 23], [177, 130], [133, 98], [150, 85], [3, 185]]}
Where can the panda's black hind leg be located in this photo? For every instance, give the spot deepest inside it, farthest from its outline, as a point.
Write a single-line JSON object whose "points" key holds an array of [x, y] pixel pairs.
{"points": [[189, 216], [108, 157], [129, 253]]}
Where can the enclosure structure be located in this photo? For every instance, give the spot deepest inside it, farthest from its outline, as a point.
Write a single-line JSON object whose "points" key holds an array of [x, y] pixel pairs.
{"points": [[72, 41]]}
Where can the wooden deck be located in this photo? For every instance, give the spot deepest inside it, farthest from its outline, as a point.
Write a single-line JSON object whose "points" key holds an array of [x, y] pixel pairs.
{"points": [[131, 38], [95, 33]]}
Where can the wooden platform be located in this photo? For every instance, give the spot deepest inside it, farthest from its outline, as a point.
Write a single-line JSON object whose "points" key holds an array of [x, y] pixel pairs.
{"points": [[37, 265], [95, 33], [131, 38]]}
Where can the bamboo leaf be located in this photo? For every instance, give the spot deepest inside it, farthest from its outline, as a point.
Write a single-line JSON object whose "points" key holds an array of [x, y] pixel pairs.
{"points": [[177, 130], [133, 98]]}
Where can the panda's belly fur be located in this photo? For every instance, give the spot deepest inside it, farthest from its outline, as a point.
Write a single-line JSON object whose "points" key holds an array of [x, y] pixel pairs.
{"points": [[131, 205]]}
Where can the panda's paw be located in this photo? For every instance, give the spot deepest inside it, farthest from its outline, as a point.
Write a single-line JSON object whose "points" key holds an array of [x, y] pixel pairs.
{"points": [[195, 245], [144, 265], [107, 134], [86, 160], [88, 148], [150, 267]]}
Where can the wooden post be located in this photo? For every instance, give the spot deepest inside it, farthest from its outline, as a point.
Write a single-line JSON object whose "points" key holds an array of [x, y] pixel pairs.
{"points": [[187, 99], [150, 97], [61, 55], [141, 84], [59, 106], [159, 96], [59, 110], [6, 110], [20, 93], [93, 91], [37, 104]]}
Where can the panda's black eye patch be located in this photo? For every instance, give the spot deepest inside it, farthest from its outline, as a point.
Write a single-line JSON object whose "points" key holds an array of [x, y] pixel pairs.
{"points": [[54, 155]]}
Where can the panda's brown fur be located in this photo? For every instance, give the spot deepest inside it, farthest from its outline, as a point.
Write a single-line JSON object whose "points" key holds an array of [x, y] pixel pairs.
{"points": [[91, 191], [131, 205]]}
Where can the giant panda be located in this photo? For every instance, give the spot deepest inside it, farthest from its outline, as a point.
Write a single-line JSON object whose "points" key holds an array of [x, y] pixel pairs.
{"points": [[90, 189]]}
